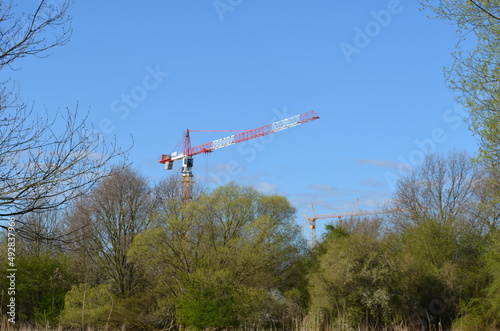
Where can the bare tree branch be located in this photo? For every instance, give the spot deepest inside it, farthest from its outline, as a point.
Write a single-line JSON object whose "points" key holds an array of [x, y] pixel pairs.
{"points": [[26, 34], [108, 219], [48, 161], [41, 169], [441, 189]]}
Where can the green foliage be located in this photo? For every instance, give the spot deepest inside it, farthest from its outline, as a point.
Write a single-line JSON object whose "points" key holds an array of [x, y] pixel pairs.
{"points": [[87, 305], [41, 284], [475, 73], [221, 255], [484, 311], [100, 306], [441, 268], [356, 281], [440, 239], [493, 290], [418, 275], [208, 302], [334, 232], [236, 259], [421, 270]]}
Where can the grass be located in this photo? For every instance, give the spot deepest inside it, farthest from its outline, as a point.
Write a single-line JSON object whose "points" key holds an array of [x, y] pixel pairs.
{"points": [[5, 325]]}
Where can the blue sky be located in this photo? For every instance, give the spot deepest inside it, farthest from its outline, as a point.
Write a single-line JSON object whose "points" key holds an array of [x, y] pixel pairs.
{"points": [[372, 70]]}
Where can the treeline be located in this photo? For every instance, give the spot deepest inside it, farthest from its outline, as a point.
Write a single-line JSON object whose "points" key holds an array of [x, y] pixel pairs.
{"points": [[129, 254], [116, 251], [434, 266]]}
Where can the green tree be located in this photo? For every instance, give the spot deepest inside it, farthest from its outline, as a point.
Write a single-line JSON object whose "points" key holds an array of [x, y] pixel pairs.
{"points": [[355, 283], [208, 302], [45, 272], [487, 205], [440, 269], [98, 306], [483, 311], [87, 305], [42, 281], [440, 238], [475, 73], [220, 260], [492, 257]]}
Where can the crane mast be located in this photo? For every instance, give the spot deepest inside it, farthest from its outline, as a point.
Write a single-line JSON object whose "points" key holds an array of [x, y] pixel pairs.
{"points": [[188, 152]]}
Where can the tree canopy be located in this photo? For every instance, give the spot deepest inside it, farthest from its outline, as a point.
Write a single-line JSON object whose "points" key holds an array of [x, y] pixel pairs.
{"points": [[224, 258], [475, 72]]}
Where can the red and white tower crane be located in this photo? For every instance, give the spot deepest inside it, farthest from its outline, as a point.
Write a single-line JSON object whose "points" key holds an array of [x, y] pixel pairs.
{"points": [[188, 152]]}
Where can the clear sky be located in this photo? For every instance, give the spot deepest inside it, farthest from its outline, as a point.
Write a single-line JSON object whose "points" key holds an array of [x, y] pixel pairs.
{"points": [[372, 70]]}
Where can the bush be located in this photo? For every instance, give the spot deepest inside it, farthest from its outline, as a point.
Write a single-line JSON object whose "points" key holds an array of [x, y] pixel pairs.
{"points": [[86, 305], [355, 283], [42, 281]]}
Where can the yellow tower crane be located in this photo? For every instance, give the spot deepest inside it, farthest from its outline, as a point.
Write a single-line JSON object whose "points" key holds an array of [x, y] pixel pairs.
{"points": [[312, 219]]}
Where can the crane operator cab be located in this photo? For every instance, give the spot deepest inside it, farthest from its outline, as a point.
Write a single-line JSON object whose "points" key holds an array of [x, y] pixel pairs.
{"points": [[187, 165]]}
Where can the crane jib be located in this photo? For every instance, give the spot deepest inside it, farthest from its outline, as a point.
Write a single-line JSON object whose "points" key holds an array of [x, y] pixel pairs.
{"points": [[255, 133], [246, 135], [223, 142], [188, 152], [286, 123]]}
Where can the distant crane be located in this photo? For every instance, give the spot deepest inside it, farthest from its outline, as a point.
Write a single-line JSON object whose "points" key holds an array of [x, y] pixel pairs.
{"points": [[312, 220], [188, 152]]}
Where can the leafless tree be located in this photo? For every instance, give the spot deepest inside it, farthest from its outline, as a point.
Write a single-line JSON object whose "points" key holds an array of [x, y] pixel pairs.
{"points": [[37, 227], [369, 226], [487, 208], [441, 189], [170, 188], [42, 168], [105, 222], [23, 34]]}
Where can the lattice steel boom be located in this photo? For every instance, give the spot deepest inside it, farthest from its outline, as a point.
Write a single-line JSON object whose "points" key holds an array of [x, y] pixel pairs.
{"points": [[188, 152], [312, 219]]}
